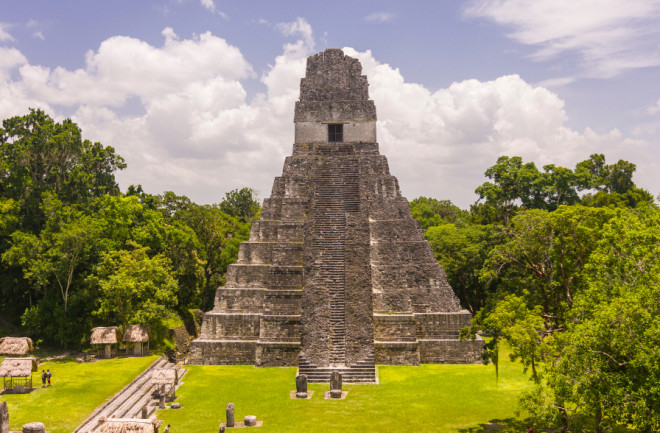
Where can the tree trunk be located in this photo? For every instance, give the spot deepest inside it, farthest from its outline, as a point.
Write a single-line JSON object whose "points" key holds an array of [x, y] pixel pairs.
{"points": [[564, 421]]}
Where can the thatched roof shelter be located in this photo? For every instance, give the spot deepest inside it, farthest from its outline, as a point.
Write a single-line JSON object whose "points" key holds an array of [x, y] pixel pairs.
{"points": [[136, 334], [15, 346], [129, 425], [18, 367], [105, 335]]}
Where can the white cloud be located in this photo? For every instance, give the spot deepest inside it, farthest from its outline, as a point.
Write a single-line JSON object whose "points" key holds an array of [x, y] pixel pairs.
{"points": [[39, 35], [380, 17], [197, 133], [440, 143], [124, 67], [4, 34], [610, 36], [299, 27], [210, 5], [655, 108]]}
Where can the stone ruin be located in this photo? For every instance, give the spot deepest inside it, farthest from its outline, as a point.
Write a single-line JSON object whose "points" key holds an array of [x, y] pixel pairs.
{"points": [[4, 417], [336, 275]]}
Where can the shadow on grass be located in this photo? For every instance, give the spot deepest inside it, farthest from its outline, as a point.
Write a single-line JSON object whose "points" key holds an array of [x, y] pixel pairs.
{"points": [[507, 425]]}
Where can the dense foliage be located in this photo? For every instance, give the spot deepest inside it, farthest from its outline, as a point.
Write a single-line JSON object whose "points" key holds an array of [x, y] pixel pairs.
{"points": [[563, 266], [77, 253]]}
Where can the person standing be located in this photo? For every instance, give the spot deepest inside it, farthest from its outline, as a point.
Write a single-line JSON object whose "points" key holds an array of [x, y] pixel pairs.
{"points": [[43, 378], [48, 375]]}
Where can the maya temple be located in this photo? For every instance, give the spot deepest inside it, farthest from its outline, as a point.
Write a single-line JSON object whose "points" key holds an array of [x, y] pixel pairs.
{"points": [[336, 274]]}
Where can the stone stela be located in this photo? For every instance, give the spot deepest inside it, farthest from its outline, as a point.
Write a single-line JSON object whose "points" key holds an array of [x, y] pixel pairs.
{"points": [[4, 417], [336, 275], [301, 386]]}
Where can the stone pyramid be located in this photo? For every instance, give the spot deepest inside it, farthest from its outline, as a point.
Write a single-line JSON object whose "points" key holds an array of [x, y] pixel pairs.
{"points": [[337, 274]]}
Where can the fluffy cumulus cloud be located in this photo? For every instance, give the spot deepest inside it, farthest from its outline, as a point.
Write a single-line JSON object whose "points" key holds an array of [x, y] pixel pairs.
{"points": [[609, 36], [181, 117], [440, 143]]}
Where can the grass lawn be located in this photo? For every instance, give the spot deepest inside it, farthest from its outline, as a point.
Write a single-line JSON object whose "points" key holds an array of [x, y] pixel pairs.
{"points": [[429, 398], [77, 389]]}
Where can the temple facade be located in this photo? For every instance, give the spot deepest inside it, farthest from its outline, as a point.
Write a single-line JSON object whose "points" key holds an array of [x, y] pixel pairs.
{"points": [[336, 274]]}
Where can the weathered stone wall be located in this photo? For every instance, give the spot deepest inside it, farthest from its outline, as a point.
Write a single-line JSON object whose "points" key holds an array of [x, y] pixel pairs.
{"points": [[277, 354], [231, 326], [280, 328], [395, 327], [396, 353], [451, 351], [332, 76], [317, 132], [441, 325], [283, 302], [241, 300], [219, 352]]}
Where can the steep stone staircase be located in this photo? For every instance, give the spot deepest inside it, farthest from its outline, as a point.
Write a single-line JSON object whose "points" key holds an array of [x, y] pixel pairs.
{"points": [[337, 192], [330, 242]]}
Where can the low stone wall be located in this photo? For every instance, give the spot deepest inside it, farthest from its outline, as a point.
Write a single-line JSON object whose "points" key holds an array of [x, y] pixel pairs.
{"points": [[451, 351], [277, 354], [231, 326], [214, 352], [395, 327], [286, 302], [239, 300], [441, 325], [280, 328], [396, 353]]}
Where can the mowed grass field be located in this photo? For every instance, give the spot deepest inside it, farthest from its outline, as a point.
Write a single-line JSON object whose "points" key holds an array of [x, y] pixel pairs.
{"points": [[76, 390], [428, 398]]}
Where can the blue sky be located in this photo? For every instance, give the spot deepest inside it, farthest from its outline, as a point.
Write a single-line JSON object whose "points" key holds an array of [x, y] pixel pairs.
{"points": [[198, 95]]}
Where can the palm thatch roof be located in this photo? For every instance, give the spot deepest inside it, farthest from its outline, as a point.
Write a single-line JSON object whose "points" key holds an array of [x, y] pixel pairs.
{"points": [[107, 335], [18, 367], [163, 376], [128, 425], [15, 345], [136, 334]]}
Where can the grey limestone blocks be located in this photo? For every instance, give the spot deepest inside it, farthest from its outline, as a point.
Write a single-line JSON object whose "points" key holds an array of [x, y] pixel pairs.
{"points": [[336, 273]]}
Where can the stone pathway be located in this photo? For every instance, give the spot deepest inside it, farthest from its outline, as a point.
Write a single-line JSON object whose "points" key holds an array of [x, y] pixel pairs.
{"points": [[128, 402]]}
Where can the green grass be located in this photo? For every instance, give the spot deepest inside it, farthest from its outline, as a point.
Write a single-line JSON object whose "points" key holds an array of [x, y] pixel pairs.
{"points": [[429, 398], [77, 389]]}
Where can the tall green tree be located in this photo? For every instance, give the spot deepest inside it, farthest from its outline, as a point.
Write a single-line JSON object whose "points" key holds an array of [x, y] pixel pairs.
{"points": [[462, 250], [54, 257], [219, 236], [38, 154], [544, 256], [136, 288], [242, 204], [604, 369], [431, 212]]}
